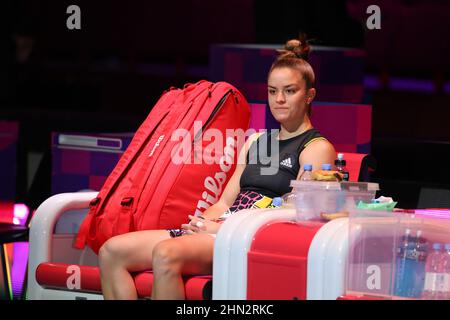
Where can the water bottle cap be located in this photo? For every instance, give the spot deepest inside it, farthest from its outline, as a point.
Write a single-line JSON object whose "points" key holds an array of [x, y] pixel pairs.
{"points": [[326, 166], [447, 246], [437, 246], [307, 167], [340, 156], [277, 201]]}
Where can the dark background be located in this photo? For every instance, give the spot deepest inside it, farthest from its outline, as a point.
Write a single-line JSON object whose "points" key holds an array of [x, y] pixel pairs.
{"points": [[107, 76]]}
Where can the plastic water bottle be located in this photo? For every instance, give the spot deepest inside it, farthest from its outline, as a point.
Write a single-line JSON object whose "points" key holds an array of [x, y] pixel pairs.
{"points": [[276, 202], [399, 289], [434, 279], [306, 175], [340, 164], [420, 254], [437, 281], [288, 199], [410, 265]]}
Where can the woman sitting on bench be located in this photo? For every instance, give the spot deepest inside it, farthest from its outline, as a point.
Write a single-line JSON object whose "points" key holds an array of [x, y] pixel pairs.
{"points": [[189, 250]]}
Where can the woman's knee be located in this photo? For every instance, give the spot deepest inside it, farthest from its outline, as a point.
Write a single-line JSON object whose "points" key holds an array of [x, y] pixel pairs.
{"points": [[166, 257], [112, 249]]}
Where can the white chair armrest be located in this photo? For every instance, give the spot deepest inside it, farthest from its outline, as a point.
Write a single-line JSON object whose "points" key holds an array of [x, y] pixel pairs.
{"points": [[327, 255], [43, 224], [231, 246]]}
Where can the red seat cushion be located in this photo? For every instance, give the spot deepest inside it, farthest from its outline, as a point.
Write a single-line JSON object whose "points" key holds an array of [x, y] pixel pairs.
{"points": [[354, 164], [359, 166], [61, 276]]}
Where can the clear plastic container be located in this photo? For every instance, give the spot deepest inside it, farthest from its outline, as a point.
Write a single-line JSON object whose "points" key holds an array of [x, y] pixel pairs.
{"points": [[315, 198], [388, 252]]}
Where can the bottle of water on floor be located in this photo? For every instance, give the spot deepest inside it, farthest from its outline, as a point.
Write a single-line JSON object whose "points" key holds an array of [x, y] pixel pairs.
{"points": [[434, 277]]}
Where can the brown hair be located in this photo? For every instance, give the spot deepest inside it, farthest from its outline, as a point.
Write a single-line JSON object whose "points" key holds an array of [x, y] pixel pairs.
{"points": [[295, 55]]}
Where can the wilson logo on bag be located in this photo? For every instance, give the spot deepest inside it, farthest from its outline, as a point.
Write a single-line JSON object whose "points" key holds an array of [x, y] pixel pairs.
{"points": [[148, 189]]}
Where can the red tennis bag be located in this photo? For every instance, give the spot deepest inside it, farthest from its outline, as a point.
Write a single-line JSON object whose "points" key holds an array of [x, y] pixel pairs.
{"points": [[178, 163]]}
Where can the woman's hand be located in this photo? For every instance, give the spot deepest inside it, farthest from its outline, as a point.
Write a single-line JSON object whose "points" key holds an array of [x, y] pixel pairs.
{"points": [[199, 225]]}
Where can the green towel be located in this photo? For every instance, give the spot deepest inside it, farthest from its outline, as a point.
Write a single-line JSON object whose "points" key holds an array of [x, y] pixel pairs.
{"points": [[386, 206]]}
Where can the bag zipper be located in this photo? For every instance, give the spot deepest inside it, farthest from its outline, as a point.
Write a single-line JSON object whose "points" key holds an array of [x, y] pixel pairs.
{"points": [[144, 182], [213, 113]]}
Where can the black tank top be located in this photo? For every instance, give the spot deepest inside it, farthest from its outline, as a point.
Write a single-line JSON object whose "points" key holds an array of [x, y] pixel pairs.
{"points": [[279, 170]]}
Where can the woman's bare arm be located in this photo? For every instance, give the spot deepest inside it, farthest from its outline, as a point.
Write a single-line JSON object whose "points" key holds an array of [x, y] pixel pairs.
{"points": [[317, 153], [232, 188]]}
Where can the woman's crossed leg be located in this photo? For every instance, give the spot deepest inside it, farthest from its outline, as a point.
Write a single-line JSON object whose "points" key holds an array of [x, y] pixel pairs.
{"points": [[153, 249]]}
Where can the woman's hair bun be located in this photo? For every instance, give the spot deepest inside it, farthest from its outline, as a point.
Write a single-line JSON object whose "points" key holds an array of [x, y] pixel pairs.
{"points": [[298, 48]]}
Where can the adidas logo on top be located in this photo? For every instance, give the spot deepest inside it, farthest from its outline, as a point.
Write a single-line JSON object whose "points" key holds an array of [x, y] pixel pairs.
{"points": [[286, 162]]}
